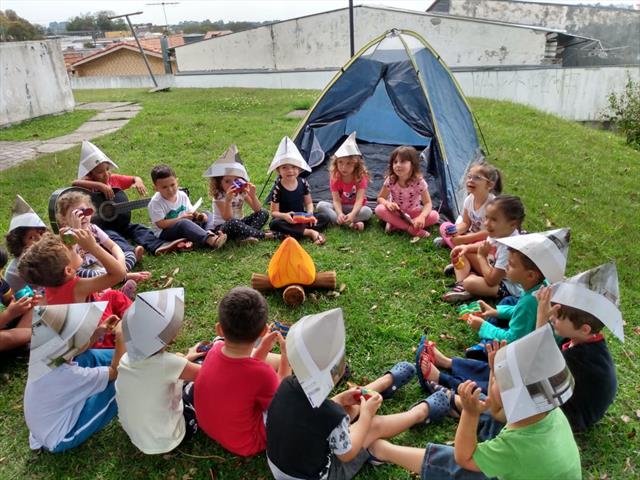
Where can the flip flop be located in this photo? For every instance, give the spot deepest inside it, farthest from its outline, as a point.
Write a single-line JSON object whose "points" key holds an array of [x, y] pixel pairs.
{"points": [[401, 373], [425, 347], [174, 245], [220, 241]]}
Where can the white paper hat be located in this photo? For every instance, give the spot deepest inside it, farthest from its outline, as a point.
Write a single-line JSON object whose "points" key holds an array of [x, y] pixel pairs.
{"points": [[548, 250], [532, 375], [90, 157], [22, 215], [229, 164], [288, 154], [59, 333], [349, 147], [596, 292], [152, 322], [315, 348]]}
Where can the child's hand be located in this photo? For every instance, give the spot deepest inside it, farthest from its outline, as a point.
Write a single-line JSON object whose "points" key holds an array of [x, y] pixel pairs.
{"points": [[266, 345], [371, 406], [543, 295], [469, 394], [138, 184], [288, 217], [487, 310], [18, 308], [418, 222], [313, 220], [85, 240], [194, 354], [343, 219], [75, 218], [186, 215], [457, 252], [200, 217], [348, 398], [475, 322], [250, 188], [492, 348], [392, 206], [485, 249], [106, 190]]}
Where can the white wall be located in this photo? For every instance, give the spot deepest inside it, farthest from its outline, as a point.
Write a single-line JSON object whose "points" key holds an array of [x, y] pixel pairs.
{"points": [[127, 81], [33, 81], [322, 41]]}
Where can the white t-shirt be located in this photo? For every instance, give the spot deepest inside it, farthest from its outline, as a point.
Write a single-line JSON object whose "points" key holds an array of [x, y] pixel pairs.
{"points": [[476, 216], [149, 396], [161, 209], [237, 204], [52, 403], [501, 259]]}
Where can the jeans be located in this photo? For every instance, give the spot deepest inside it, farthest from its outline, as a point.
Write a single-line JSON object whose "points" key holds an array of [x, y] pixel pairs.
{"points": [[192, 231]]}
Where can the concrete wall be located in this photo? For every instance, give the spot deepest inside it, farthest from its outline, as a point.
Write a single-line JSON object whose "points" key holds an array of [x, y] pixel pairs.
{"points": [[322, 41], [129, 81], [33, 81], [618, 29]]}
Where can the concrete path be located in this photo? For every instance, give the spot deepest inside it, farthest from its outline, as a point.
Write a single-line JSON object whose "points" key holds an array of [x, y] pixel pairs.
{"points": [[112, 117]]}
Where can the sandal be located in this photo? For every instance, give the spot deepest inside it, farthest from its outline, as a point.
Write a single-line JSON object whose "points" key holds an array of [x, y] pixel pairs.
{"points": [[178, 244], [438, 404], [457, 294], [401, 373], [425, 347], [319, 239], [220, 240], [454, 411]]}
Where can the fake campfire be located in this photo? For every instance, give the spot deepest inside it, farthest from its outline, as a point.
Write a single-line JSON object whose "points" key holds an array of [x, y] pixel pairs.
{"points": [[292, 268]]}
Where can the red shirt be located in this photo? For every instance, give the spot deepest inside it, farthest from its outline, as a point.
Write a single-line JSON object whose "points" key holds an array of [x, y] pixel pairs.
{"points": [[121, 181], [117, 303], [348, 191], [231, 395]]}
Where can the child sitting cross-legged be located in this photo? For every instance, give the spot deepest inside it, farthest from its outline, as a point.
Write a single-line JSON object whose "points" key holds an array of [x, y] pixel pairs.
{"points": [[153, 403], [15, 318], [69, 394], [312, 437], [238, 380], [53, 264], [529, 379], [174, 217], [579, 308]]}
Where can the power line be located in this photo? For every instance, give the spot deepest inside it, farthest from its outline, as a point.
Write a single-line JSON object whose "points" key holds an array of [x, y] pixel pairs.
{"points": [[166, 22]]}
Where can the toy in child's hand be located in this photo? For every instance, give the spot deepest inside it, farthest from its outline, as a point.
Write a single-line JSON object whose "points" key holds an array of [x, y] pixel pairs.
{"points": [[239, 184], [281, 327], [26, 291], [68, 238], [451, 230], [459, 265], [204, 347], [473, 307], [364, 392], [405, 216], [302, 217], [86, 212]]}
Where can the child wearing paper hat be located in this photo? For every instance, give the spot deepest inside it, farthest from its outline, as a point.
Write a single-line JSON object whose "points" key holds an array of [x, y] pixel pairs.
{"points": [[310, 436], [69, 394], [582, 306], [230, 189], [15, 319], [292, 194], [25, 228], [529, 379], [149, 388], [348, 178]]}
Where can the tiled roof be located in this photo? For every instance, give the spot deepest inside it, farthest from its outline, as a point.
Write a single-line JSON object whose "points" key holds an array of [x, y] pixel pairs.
{"points": [[151, 46]]}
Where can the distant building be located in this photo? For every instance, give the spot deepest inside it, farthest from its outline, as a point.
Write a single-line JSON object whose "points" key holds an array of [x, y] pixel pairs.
{"points": [[618, 29], [216, 33]]}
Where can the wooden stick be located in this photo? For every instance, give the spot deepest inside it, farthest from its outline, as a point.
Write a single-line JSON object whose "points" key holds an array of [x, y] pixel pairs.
{"points": [[260, 282], [293, 295], [327, 280]]}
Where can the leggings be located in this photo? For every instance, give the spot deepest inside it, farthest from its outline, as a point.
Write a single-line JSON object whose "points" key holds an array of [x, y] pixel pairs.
{"points": [[398, 224], [192, 231], [363, 215], [249, 226]]}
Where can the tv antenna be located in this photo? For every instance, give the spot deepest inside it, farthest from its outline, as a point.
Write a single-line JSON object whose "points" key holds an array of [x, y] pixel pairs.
{"points": [[164, 10]]}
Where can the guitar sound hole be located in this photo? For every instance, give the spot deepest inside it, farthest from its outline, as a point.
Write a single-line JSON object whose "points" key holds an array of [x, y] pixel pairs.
{"points": [[108, 211]]}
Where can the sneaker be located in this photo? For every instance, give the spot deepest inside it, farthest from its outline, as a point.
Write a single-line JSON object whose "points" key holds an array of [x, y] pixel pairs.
{"points": [[457, 294], [449, 270], [438, 242]]}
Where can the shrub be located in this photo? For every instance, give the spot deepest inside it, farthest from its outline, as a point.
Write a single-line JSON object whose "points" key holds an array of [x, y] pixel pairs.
{"points": [[624, 112]]}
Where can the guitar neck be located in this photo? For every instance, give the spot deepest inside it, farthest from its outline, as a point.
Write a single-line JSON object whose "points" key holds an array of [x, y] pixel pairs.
{"points": [[132, 205]]}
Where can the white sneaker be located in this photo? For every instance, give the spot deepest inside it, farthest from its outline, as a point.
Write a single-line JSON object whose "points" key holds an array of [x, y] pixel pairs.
{"points": [[438, 242]]}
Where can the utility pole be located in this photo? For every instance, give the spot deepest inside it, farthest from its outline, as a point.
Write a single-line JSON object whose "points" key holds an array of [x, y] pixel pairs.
{"points": [[351, 41], [144, 57], [166, 23]]}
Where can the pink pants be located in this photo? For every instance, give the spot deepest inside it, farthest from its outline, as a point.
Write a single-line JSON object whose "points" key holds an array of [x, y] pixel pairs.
{"points": [[399, 224]]}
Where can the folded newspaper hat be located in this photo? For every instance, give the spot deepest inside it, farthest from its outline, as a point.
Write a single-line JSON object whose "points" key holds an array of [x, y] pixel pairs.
{"points": [[288, 154], [532, 375], [596, 292], [349, 147], [59, 333], [229, 164], [152, 322], [22, 215], [316, 352], [90, 157], [548, 250]]}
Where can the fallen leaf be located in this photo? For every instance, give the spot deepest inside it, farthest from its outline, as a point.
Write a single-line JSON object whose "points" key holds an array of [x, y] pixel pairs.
{"points": [[342, 287], [433, 291], [167, 283], [548, 223], [625, 418], [636, 330], [604, 476], [447, 336], [627, 465], [632, 433], [175, 272], [313, 297], [374, 307], [577, 200], [333, 294]]}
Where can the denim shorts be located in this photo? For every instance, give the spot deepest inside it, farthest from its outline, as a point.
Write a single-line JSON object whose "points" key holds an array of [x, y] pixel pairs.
{"points": [[439, 464]]}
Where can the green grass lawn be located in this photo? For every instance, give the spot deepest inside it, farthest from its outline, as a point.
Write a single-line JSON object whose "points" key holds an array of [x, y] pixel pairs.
{"points": [[566, 174], [44, 128]]}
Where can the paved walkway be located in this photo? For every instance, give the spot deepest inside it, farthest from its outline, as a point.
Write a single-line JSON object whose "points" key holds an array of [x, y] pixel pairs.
{"points": [[112, 117]]}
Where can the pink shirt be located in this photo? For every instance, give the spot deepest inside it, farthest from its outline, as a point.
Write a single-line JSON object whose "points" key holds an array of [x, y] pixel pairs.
{"points": [[409, 198], [348, 191]]}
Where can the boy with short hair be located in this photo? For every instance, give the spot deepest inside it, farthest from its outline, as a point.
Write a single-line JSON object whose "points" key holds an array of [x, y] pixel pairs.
{"points": [[94, 174], [69, 394], [582, 306], [237, 381], [149, 388], [529, 379], [172, 215]]}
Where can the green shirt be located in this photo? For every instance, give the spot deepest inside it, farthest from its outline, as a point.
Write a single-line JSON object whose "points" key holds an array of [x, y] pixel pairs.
{"points": [[544, 450]]}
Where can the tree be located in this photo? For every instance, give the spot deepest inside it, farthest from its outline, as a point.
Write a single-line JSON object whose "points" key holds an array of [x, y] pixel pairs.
{"points": [[14, 28], [98, 21], [82, 22]]}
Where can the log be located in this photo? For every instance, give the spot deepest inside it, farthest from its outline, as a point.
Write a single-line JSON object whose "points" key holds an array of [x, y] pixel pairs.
{"points": [[327, 280], [260, 282], [293, 295]]}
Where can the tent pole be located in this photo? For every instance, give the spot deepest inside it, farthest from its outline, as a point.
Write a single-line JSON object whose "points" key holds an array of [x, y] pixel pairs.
{"points": [[351, 42]]}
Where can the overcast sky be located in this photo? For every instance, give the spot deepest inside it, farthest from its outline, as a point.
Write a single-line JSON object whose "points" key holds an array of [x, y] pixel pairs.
{"points": [[45, 11]]}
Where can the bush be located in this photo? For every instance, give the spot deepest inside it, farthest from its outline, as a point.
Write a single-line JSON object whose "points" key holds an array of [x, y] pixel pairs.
{"points": [[624, 112]]}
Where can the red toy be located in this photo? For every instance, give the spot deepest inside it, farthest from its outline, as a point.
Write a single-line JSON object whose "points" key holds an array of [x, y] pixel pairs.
{"points": [[302, 217]]}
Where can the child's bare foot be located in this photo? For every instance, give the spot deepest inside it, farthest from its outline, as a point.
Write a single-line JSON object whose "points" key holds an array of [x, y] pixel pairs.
{"points": [[138, 252], [181, 244], [315, 236], [217, 241], [138, 276], [269, 235], [359, 226], [129, 289]]}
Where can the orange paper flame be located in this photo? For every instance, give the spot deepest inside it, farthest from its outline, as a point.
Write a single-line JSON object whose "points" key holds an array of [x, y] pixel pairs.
{"points": [[291, 265]]}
